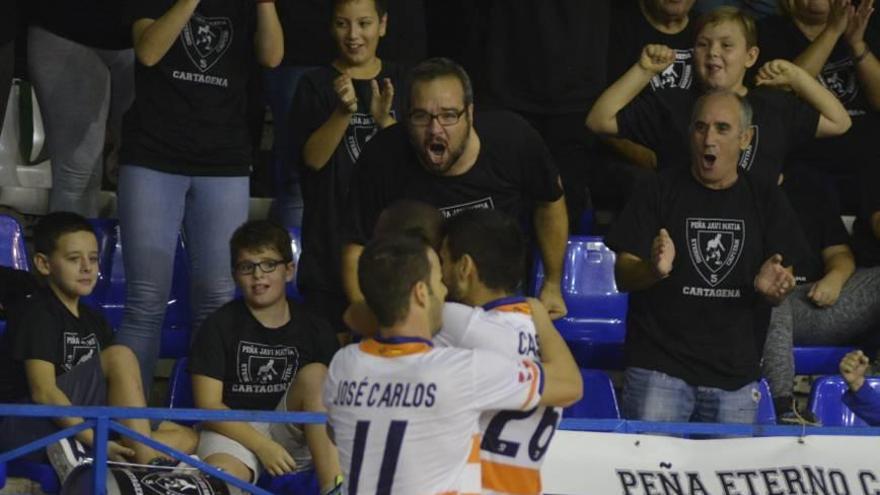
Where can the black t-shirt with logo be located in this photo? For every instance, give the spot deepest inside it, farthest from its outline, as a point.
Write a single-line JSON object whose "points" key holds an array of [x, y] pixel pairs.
{"points": [[326, 190], [660, 120], [780, 38], [189, 113], [95, 23], [865, 244], [704, 323], [41, 327], [630, 32], [819, 217], [513, 171], [257, 364]]}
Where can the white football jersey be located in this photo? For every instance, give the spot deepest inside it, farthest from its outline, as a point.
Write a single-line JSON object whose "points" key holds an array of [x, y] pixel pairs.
{"points": [[514, 442], [405, 415]]}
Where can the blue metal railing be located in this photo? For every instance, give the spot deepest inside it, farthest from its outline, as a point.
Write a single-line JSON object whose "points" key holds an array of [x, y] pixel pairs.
{"points": [[102, 420]]}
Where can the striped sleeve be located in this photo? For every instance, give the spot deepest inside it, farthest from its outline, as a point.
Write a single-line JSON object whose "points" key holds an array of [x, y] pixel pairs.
{"points": [[504, 383]]}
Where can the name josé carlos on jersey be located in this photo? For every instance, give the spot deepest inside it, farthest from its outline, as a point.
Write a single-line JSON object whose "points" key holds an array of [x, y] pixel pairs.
{"points": [[392, 394]]}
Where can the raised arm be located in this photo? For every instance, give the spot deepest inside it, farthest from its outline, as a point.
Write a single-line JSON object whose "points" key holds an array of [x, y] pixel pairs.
{"points": [[322, 143], [867, 64], [633, 273], [839, 266], [774, 281], [566, 386], [816, 54], [551, 228], [153, 38], [269, 38], [833, 117], [602, 118]]}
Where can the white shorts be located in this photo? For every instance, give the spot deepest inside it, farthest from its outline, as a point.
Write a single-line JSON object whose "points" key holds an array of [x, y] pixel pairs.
{"points": [[288, 435]]}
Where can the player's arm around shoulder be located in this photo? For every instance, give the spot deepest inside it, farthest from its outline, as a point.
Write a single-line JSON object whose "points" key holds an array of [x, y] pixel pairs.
{"points": [[563, 384]]}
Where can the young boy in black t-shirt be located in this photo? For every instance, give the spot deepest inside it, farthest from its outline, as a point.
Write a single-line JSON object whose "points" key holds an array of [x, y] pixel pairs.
{"points": [[59, 352], [263, 352], [337, 108]]}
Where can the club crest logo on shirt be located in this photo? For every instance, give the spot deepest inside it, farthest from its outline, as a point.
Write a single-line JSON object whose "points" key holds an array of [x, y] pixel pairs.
{"points": [[747, 157], [840, 78], [78, 349], [265, 369], [715, 246], [678, 75], [176, 483], [361, 128], [206, 39]]}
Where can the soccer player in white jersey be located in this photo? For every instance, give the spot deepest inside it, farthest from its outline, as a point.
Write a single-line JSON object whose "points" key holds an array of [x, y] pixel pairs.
{"points": [[483, 260], [404, 414]]}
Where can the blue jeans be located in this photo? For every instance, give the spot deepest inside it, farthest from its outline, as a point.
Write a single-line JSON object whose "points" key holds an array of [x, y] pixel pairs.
{"points": [[650, 395], [83, 93], [153, 206], [280, 84]]}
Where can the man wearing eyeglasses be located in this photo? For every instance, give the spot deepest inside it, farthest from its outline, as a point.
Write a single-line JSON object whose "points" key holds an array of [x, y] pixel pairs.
{"points": [[455, 161]]}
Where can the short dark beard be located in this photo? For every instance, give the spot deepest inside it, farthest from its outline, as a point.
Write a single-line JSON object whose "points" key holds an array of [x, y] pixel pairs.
{"points": [[454, 154]]}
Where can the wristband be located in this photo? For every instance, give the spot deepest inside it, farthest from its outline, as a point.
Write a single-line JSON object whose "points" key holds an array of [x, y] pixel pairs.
{"points": [[858, 58]]}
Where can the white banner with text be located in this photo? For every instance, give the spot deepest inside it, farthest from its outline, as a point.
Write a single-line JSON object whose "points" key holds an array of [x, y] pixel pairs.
{"points": [[586, 463]]}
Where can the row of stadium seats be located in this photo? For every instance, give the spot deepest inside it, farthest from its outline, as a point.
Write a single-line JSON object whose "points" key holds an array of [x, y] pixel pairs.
{"points": [[109, 293], [594, 328], [600, 399]]}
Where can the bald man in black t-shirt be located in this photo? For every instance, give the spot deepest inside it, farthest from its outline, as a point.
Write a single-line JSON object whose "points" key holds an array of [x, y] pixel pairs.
{"points": [[701, 249]]}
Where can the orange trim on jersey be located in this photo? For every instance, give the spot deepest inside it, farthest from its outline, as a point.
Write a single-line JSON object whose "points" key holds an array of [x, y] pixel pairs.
{"points": [[474, 455], [514, 480], [376, 348], [533, 386], [523, 308]]}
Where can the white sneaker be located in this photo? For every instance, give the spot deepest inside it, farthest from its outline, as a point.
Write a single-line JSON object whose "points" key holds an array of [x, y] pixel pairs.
{"points": [[66, 455]]}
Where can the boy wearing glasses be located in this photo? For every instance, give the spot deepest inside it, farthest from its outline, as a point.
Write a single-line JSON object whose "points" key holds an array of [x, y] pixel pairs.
{"points": [[337, 108], [263, 352]]}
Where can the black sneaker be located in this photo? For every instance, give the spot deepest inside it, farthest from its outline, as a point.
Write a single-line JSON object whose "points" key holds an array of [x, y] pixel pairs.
{"points": [[66, 455]]}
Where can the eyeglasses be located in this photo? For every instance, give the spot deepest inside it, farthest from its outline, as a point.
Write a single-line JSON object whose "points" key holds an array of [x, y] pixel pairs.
{"points": [[445, 118], [248, 268]]}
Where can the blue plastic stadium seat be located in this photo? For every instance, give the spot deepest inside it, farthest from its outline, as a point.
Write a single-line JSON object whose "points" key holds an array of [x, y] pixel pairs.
{"points": [[818, 360], [585, 223], [41, 473], [766, 410], [106, 231], [826, 401], [12, 250], [599, 400], [302, 483], [596, 322]]}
